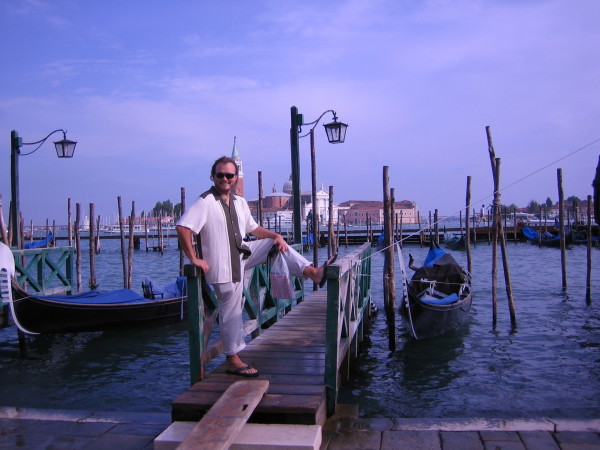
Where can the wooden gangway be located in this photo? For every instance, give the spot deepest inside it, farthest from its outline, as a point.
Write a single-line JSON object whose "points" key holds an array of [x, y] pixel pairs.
{"points": [[304, 355]]}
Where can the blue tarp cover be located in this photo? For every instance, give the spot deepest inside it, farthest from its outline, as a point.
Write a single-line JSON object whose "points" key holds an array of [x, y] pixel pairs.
{"points": [[41, 243], [441, 301], [98, 297], [123, 296], [433, 256], [530, 233]]}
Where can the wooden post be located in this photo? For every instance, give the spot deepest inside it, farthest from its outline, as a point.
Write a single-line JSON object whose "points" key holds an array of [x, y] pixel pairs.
{"points": [[588, 285], [69, 223], [130, 249], [467, 226], [499, 232], [259, 211], [92, 282], [515, 225], [388, 274], [474, 228], [489, 225], [146, 231], [181, 255], [420, 230], [123, 257], [346, 229], [502, 236], [401, 237], [331, 247], [97, 241], [78, 247], [436, 219], [561, 224], [196, 317]]}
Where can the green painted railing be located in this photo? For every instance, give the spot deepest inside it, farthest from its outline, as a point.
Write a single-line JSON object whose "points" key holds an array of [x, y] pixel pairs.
{"points": [[45, 270], [261, 309], [348, 305]]}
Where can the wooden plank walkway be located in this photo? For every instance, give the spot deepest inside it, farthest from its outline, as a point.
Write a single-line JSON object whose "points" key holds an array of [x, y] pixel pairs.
{"points": [[290, 355]]}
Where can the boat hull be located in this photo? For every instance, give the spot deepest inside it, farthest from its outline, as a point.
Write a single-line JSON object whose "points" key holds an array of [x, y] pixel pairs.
{"points": [[40, 315], [423, 320]]}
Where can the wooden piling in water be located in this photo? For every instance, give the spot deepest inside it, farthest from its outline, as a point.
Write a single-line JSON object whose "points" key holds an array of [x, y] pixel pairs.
{"points": [[69, 223], [92, 282], [97, 241], [588, 284], [260, 199], [389, 288], [331, 239], [561, 225], [499, 233], [467, 226], [130, 249], [78, 247], [346, 230], [436, 221], [181, 255], [122, 231]]}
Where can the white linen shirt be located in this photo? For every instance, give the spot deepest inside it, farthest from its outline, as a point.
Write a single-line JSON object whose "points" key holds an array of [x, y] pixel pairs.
{"points": [[206, 216]]}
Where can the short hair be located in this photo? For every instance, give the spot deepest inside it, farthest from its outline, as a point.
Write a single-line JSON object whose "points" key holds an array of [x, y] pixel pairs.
{"points": [[222, 160]]}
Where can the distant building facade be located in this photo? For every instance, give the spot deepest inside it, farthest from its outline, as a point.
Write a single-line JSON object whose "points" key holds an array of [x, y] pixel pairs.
{"points": [[358, 212]]}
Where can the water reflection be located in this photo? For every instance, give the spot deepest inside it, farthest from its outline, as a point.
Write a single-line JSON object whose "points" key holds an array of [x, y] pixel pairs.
{"points": [[427, 364]]}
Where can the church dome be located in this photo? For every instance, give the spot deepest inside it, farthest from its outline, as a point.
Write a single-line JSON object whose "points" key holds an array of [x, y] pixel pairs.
{"points": [[287, 186]]}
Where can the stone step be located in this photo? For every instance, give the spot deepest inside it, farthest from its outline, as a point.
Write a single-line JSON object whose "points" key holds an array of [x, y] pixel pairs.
{"points": [[253, 436]]}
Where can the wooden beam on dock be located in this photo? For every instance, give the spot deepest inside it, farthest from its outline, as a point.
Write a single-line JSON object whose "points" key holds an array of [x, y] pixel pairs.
{"points": [[223, 422]]}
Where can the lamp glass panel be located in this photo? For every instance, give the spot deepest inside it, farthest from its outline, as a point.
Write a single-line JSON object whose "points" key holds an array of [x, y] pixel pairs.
{"points": [[65, 148]]}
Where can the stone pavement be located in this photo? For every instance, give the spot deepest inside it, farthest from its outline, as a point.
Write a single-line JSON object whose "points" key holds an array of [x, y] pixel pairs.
{"points": [[345, 431], [24, 428]]}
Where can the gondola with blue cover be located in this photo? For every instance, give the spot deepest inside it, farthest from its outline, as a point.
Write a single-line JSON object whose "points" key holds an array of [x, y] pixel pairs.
{"points": [[437, 298]]}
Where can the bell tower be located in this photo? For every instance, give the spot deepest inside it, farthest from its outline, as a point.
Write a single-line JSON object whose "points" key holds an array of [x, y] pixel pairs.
{"points": [[239, 186]]}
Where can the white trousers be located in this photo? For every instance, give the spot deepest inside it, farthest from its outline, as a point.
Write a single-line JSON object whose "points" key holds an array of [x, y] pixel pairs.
{"points": [[231, 301]]}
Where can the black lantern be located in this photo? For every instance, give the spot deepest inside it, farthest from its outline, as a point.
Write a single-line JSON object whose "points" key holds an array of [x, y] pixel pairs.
{"points": [[65, 148], [336, 131]]}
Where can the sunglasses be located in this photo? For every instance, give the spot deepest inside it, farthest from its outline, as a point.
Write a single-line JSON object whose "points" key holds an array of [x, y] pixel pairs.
{"points": [[221, 175]]}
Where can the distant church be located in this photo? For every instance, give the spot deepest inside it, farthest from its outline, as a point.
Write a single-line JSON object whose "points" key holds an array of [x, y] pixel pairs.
{"points": [[278, 206], [239, 186]]}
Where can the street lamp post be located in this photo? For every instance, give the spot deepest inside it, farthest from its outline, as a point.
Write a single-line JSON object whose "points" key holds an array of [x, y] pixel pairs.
{"points": [[64, 149], [336, 134]]}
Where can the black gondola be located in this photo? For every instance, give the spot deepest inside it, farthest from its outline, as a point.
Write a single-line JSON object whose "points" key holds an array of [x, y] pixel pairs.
{"points": [[120, 309], [438, 297]]}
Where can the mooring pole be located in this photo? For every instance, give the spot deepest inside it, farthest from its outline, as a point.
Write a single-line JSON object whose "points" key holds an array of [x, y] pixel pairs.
{"points": [[388, 273]]}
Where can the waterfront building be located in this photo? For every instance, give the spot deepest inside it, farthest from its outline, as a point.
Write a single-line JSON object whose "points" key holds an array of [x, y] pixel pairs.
{"points": [[279, 205], [358, 212]]}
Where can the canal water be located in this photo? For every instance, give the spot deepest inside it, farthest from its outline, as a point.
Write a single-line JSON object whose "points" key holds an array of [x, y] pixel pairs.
{"points": [[548, 366]]}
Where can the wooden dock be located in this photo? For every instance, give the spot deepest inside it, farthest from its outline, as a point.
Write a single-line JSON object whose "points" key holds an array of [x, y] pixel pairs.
{"points": [[304, 355], [291, 356]]}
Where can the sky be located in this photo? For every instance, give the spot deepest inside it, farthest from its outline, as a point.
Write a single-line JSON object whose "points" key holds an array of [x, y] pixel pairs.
{"points": [[154, 92]]}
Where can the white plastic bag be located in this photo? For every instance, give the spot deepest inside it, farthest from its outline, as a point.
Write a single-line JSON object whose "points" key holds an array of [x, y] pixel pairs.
{"points": [[281, 287]]}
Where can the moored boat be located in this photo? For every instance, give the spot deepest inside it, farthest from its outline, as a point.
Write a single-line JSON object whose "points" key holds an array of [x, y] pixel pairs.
{"points": [[437, 298], [98, 311], [454, 241]]}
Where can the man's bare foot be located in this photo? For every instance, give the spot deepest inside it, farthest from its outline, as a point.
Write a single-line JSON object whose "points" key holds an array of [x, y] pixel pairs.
{"points": [[319, 274]]}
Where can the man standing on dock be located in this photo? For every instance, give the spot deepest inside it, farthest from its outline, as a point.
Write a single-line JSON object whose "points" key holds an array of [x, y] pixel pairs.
{"points": [[221, 219]]}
